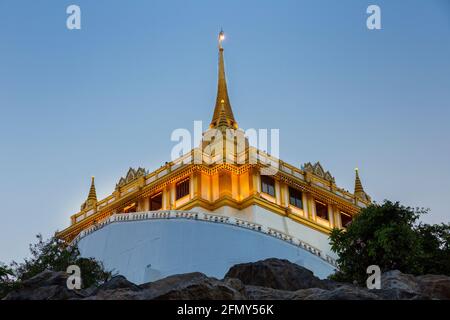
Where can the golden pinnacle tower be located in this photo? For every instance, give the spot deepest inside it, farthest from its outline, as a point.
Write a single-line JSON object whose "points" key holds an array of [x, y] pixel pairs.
{"points": [[92, 196], [223, 114], [359, 190], [207, 215]]}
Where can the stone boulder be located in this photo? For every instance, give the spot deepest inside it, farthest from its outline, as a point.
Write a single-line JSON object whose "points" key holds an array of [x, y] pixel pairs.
{"points": [[276, 274], [193, 286], [345, 292], [47, 285], [434, 286], [189, 286], [396, 285], [119, 282], [263, 293], [117, 286]]}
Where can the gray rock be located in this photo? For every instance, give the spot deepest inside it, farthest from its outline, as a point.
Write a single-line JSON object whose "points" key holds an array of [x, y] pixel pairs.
{"points": [[119, 282], [434, 286], [276, 274], [262, 293], [344, 292], [190, 286], [47, 285], [193, 286], [117, 288], [397, 286], [114, 294]]}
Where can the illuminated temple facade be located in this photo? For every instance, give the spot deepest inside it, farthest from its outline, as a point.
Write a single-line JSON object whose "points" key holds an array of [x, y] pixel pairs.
{"points": [[202, 212]]}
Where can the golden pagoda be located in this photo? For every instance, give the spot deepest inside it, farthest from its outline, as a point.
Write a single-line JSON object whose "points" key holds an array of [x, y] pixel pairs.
{"points": [[297, 205]]}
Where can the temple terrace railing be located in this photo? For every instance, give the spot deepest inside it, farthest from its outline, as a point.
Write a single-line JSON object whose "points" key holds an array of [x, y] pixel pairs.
{"points": [[192, 215]]}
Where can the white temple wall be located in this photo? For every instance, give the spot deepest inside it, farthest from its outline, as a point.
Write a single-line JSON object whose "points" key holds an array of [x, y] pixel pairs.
{"points": [[148, 250]]}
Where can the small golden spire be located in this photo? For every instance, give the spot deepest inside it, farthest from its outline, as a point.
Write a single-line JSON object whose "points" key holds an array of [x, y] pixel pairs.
{"points": [[222, 111], [359, 190], [92, 192]]}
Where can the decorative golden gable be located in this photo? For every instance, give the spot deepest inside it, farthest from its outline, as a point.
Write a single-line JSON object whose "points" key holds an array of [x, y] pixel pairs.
{"points": [[131, 176], [318, 170]]}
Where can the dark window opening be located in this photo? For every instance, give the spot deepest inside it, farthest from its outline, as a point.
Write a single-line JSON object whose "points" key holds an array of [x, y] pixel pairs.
{"points": [[268, 185], [346, 219], [182, 189], [156, 202], [295, 198], [322, 210]]}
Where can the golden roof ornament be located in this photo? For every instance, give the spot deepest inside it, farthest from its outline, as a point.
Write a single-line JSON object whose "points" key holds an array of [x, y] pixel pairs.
{"points": [[92, 196], [131, 175], [222, 101], [359, 190], [92, 192], [318, 170]]}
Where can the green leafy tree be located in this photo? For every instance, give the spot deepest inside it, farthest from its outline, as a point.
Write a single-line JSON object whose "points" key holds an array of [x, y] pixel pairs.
{"points": [[6, 279], [435, 241], [55, 255], [382, 235], [5, 272]]}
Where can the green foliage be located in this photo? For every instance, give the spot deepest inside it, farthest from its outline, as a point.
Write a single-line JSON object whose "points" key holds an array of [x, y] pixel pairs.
{"points": [[5, 272], [387, 235], [53, 254], [92, 272], [436, 248], [6, 281]]}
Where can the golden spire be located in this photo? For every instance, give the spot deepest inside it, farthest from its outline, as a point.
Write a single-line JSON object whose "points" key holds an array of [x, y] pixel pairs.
{"points": [[223, 114], [359, 190], [92, 193]]}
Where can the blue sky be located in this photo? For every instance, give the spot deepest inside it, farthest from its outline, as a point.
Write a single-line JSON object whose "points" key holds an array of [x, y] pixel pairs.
{"points": [[98, 100]]}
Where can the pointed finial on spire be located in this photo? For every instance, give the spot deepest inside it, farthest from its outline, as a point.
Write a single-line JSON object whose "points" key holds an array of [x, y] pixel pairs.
{"points": [[221, 38]]}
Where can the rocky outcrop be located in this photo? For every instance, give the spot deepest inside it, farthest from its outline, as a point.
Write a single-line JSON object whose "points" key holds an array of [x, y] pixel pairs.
{"points": [[345, 292], [47, 285], [193, 286], [275, 274], [268, 279], [434, 286], [396, 285], [187, 286]]}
